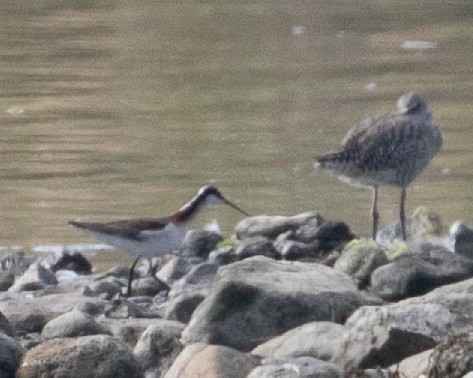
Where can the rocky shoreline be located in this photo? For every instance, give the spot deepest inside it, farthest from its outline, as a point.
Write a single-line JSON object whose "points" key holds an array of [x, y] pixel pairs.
{"points": [[284, 297]]}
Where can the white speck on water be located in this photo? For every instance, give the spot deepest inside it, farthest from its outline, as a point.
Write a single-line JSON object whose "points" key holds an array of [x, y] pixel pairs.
{"points": [[418, 45], [15, 111], [446, 171], [298, 30], [371, 87]]}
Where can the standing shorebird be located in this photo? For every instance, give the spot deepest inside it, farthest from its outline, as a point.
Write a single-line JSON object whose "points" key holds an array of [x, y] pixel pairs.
{"points": [[152, 237], [388, 150]]}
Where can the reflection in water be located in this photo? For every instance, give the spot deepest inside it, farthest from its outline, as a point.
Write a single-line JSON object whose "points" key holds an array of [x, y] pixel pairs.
{"points": [[113, 110]]}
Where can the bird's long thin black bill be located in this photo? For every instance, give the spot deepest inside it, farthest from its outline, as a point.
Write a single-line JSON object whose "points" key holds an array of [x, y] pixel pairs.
{"points": [[236, 207]]}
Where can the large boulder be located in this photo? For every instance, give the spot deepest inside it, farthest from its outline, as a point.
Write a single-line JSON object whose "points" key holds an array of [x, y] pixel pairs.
{"points": [[87, 356], [10, 354], [259, 298]]}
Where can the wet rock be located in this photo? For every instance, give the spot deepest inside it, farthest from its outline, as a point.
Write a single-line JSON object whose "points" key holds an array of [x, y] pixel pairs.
{"points": [[272, 226], [299, 367], [462, 235], [75, 262], [201, 360], [106, 288], [259, 298], [7, 279], [452, 358], [16, 263], [419, 272], [10, 355], [35, 278], [72, 324], [158, 347], [87, 356], [320, 340], [361, 260], [199, 243]]}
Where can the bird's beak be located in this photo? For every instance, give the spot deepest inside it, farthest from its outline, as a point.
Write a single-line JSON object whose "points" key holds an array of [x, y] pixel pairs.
{"points": [[227, 202]]}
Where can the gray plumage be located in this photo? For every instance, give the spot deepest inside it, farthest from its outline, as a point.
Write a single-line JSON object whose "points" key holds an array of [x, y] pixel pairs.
{"points": [[392, 149]]}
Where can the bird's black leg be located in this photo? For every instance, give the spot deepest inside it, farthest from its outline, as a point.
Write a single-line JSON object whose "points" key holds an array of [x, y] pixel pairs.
{"points": [[130, 276], [402, 215], [374, 212]]}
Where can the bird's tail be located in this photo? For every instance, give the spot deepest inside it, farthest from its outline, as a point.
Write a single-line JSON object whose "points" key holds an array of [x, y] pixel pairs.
{"points": [[333, 160]]}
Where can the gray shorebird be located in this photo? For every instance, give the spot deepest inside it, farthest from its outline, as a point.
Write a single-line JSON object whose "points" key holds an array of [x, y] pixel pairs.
{"points": [[150, 237], [392, 150]]}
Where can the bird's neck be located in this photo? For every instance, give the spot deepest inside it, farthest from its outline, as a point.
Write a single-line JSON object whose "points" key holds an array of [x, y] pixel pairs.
{"points": [[189, 210]]}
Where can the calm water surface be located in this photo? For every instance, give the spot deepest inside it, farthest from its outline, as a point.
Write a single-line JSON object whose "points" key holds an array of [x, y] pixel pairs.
{"points": [[115, 109]]}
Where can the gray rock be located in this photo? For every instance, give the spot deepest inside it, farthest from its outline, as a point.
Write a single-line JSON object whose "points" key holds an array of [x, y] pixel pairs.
{"points": [[128, 331], [199, 243], [360, 261], [417, 273], [452, 358], [181, 307], [259, 298], [223, 256], [201, 360], [10, 355], [5, 326], [87, 356], [255, 246], [123, 308], [72, 324], [7, 279], [30, 314], [300, 367], [462, 235], [106, 288], [320, 340], [35, 278], [74, 261], [292, 250], [176, 268], [16, 263], [272, 226], [413, 366], [326, 235], [158, 347], [147, 286]]}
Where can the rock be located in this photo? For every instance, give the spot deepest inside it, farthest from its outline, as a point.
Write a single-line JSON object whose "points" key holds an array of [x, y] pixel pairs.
{"points": [[5, 326], [300, 367], [212, 361], [147, 286], [7, 279], [361, 260], [123, 308], [259, 298], [452, 358], [417, 273], [292, 250], [413, 366], [182, 307], [72, 324], [158, 347], [462, 235], [106, 288], [29, 314], [199, 243], [176, 268], [382, 336], [35, 278], [320, 340], [272, 226], [87, 356], [327, 235], [223, 256], [421, 224], [255, 246], [10, 355], [75, 262], [16, 263]]}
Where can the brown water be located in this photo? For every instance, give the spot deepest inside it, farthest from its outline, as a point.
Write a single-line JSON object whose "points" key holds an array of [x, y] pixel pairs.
{"points": [[116, 109]]}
